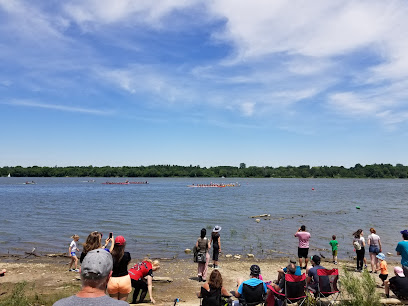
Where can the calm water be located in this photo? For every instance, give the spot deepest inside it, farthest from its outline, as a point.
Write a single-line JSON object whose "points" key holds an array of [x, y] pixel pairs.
{"points": [[165, 217]]}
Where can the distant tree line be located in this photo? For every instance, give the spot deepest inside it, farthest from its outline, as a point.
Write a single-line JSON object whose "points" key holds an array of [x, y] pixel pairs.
{"points": [[304, 171]]}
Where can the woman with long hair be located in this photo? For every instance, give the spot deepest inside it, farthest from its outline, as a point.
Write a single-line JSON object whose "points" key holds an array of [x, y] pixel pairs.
{"points": [[203, 246], [374, 248], [119, 285], [93, 242], [216, 241], [359, 246], [141, 276], [212, 290]]}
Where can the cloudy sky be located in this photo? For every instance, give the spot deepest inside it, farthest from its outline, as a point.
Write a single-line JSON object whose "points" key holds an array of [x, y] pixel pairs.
{"points": [[214, 82]]}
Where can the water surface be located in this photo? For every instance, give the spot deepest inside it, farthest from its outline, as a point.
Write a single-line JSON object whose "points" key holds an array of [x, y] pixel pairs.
{"points": [[165, 216]]}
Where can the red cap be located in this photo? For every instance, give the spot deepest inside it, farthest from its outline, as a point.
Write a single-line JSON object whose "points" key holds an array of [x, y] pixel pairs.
{"points": [[120, 240]]}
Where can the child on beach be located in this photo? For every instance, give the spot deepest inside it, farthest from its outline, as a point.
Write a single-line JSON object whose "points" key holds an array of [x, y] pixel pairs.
{"points": [[383, 268], [72, 252], [334, 244]]}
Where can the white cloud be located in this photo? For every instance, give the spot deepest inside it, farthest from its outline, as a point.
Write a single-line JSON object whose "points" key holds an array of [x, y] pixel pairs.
{"points": [[247, 108], [351, 104], [95, 12], [28, 103]]}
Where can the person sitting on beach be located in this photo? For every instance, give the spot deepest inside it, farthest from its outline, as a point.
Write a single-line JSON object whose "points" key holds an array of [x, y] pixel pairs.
{"points": [[303, 248], [292, 262], [280, 287], [255, 271], [398, 284], [96, 270], [93, 242], [137, 274], [312, 278], [213, 290]]}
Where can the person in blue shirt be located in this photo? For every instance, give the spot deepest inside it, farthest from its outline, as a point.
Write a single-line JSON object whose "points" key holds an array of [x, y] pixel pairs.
{"points": [[283, 271], [253, 281], [402, 249]]}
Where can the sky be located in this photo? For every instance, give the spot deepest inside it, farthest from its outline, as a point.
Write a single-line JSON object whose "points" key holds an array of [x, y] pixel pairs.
{"points": [[208, 83]]}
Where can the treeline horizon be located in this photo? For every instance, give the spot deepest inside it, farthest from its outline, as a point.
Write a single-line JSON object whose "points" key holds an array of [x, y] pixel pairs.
{"points": [[303, 171]]}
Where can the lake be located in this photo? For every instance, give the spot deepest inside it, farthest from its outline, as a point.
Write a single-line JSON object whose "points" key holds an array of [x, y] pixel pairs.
{"points": [[165, 217]]}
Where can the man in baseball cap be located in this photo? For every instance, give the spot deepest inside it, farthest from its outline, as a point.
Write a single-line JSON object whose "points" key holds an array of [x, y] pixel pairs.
{"points": [[96, 270]]}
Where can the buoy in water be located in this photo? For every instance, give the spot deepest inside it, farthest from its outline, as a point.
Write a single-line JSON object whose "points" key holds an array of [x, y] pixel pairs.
{"points": [[312, 188], [357, 207]]}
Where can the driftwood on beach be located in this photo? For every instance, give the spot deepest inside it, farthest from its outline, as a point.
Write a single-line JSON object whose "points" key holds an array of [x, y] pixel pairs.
{"points": [[261, 216], [32, 253], [58, 255], [162, 279]]}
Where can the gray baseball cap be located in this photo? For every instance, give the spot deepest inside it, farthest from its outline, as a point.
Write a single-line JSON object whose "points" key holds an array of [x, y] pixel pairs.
{"points": [[97, 264]]}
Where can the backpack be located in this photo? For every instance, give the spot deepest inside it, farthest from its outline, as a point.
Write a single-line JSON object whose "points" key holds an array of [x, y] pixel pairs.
{"points": [[357, 245]]}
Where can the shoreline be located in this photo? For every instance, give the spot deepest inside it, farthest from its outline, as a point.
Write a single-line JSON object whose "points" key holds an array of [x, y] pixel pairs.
{"points": [[49, 278]]}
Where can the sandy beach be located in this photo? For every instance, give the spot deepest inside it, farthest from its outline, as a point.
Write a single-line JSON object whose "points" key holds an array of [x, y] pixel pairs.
{"points": [[48, 278]]}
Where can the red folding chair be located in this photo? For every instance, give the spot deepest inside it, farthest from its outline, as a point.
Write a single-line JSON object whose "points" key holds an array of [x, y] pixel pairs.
{"points": [[295, 289], [327, 285]]}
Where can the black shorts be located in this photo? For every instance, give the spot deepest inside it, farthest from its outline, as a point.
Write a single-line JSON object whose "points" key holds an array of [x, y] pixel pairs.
{"points": [[303, 252], [383, 277]]}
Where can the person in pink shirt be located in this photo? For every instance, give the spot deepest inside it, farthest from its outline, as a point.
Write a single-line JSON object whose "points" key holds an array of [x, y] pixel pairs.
{"points": [[303, 249]]}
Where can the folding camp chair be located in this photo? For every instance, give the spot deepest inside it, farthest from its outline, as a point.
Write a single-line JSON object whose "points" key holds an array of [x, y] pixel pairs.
{"points": [[295, 290], [253, 295], [214, 298], [327, 285]]}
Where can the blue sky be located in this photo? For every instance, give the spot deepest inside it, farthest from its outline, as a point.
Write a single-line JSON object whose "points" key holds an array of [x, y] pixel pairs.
{"points": [[267, 83]]}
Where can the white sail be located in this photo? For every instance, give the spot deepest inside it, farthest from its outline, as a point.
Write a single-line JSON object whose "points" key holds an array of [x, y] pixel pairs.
{"points": [[9, 175]]}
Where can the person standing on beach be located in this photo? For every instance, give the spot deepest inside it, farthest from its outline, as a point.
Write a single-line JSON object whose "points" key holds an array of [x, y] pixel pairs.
{"points": [[119, 285], [359, 246], [402, 249], [303, 248], [334, 244], [93, 242], [72, 253], [216, 241], [203, 245], [374, 248]]}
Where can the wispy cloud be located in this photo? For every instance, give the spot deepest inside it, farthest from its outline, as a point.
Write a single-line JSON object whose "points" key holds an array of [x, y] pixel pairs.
{"points": [[64, 108]]}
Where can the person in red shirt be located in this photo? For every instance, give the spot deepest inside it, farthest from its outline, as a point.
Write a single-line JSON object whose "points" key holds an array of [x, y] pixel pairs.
{"points": [[141, 276]]}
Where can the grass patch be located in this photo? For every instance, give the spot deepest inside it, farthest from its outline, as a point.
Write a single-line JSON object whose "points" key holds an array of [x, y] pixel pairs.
{"points": [[359, 290], [26, 294]]}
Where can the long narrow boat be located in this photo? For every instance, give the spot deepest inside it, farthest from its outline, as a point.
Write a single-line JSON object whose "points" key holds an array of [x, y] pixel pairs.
{"points": [[206, 186], [125, 183], [214, 185]]}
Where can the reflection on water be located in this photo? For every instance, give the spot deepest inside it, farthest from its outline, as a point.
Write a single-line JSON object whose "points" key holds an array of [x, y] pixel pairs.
{"points": [[165, 217]]}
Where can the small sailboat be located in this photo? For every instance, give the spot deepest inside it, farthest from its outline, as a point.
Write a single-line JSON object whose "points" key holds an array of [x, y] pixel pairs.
{"points": [[9, 175]]}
